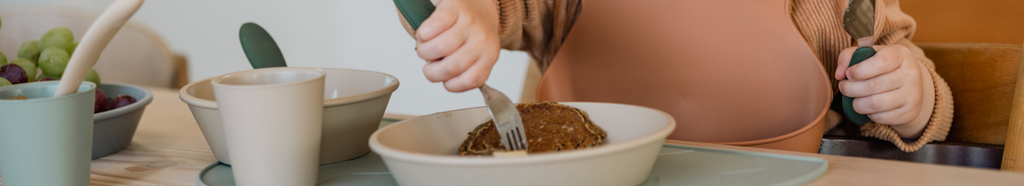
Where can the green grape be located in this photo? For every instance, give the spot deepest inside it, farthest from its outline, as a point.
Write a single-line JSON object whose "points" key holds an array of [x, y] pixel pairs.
{"points": [[53, 60], [4, 82], [71, 49], [28, 66], [3, 59], [93, 77], [60, 37], [29, 50]]}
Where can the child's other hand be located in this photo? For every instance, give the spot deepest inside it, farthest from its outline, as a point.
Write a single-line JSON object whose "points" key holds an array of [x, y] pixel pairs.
{"points": [[888, 86], [460, 43]]}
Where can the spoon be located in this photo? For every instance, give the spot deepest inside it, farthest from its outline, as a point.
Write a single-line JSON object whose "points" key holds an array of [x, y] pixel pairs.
{"points": [[259, 47], [93, 43]]}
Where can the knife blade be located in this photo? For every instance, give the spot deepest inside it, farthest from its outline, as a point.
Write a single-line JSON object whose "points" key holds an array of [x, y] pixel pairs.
{"points": [[859, 21]]}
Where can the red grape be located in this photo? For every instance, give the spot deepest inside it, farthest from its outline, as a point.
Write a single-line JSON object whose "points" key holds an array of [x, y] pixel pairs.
{"points": [[120, 101], [13, 73], [101, 101]]}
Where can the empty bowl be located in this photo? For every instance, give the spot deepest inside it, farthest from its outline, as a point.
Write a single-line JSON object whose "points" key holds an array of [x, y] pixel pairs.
{"points": [[354, 103], [424, 150]]}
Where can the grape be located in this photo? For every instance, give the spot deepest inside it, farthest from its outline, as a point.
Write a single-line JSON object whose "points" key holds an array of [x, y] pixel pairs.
{"points": [[3, 58], [28, 66], [59, 37], [53, 60], [101, 102], [120, 101], [4, 82], [71, 49], [13, 73], [45, 79], [93, 77], [29, 50]]}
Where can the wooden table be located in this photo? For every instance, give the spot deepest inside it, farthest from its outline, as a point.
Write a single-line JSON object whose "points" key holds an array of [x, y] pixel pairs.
{"points": [[169, 149]]}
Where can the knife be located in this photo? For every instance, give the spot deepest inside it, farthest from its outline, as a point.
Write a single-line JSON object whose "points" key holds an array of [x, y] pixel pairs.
{"points": [[859, 21], [507, 120]]}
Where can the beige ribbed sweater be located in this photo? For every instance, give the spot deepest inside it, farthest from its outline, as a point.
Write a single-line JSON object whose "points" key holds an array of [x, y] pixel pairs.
{"points": [[540, 26]]}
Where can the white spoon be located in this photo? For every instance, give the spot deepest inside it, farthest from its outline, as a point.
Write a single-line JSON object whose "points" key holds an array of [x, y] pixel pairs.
{"points": [[92, 44]]}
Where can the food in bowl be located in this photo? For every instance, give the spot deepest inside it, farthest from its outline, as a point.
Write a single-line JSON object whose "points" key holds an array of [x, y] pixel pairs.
{"points": [[424, 150], [549, 126], [48, 55]]}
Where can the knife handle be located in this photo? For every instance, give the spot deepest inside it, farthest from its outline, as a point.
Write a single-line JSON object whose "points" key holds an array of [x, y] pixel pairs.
{"points": [[415, 11], [859, 55]]}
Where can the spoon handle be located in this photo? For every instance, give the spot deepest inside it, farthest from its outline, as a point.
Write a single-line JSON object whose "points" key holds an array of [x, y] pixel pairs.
{"points": [[857, 118], [259, 47], [92, 44]]}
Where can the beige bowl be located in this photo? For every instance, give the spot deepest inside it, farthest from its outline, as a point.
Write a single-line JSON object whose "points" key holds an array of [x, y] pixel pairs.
{"points": [[423, 150], [354, 103]]}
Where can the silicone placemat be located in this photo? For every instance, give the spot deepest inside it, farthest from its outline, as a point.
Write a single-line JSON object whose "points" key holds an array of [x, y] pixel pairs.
{"points": [[676, 165]]}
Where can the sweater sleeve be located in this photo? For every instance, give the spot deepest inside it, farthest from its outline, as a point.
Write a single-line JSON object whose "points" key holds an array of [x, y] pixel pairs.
{"points": [[897, 28], [820, 23], [535, 26]]}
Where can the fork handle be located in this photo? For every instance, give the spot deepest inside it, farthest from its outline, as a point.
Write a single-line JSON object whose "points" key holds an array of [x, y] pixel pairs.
{"points": [[415, 11]]}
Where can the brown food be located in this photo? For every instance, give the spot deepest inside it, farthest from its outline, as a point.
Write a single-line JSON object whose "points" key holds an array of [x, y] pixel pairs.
{"points": [[19, 97], [549, 127]]}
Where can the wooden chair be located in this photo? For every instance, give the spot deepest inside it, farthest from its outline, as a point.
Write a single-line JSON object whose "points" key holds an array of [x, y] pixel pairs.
{"points": [[136, 55], [983, 78]]}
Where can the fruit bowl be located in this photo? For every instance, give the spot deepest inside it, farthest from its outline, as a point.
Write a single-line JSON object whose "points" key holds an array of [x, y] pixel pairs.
{"points": [[113, 129], [354, 103], [424, 150]]}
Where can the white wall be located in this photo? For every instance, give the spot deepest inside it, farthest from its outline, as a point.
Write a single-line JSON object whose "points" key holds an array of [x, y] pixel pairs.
{"points": [[359, 34]]}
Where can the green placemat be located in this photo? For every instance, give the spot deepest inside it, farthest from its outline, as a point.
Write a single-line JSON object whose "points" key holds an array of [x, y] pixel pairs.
{"points": [[676, 165]]}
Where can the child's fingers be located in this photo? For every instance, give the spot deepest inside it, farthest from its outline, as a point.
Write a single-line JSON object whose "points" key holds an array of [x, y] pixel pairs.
{"points": [[443, 17], [444, 44], [886, 60], [877, 85], [899, 116], [475, 76], [879, 103], [451, 65], [844, 62]]}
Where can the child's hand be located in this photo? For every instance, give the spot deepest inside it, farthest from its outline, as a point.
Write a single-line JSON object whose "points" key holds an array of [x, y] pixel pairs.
{"points": [[888, 87], [460, 43]]}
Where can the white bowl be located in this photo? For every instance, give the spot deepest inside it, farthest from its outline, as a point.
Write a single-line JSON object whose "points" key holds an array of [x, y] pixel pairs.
{"points": [[424, 150], [354, 103]]}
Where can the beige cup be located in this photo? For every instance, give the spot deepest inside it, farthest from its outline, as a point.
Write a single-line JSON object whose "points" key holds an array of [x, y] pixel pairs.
{"points": [[272, 123]]}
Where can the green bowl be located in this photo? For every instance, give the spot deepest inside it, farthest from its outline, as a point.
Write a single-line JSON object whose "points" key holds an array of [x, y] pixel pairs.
{"points": [[113, 129]]}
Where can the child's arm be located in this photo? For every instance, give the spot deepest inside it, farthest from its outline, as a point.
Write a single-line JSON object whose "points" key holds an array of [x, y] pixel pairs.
{"points": [[460, 41], [898, 88]]}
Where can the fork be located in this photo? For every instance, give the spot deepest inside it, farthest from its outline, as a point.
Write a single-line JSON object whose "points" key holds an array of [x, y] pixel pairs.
{"points": [[506, 119]]}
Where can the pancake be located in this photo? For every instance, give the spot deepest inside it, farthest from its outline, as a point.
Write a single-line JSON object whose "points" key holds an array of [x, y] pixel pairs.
{"points": [[550, 127]]}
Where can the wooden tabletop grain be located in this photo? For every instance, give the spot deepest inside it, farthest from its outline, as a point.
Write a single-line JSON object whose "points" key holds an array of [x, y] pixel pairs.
{"points": [[169, 149]]}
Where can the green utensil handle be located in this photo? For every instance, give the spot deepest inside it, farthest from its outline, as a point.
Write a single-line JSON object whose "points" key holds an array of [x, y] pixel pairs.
{"points": [[859, 55], [259, 47], [415, 11]]}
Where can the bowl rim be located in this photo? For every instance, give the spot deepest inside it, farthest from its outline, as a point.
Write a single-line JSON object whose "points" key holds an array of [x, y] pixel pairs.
{"points": [[140, 103], [657, 136], [382, 91]]}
